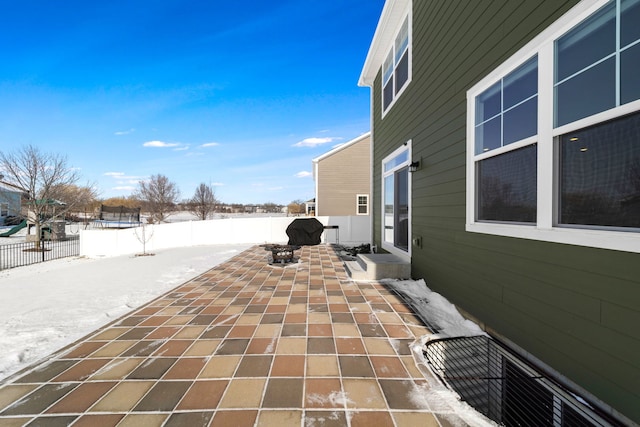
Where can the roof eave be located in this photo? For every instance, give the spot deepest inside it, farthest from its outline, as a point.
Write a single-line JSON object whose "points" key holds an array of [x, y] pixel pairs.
{"points": [[342, 147], [393, 13]]}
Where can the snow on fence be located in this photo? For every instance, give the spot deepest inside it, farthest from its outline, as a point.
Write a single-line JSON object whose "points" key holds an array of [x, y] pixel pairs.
{"points": [[26, 253], [351, 231]]}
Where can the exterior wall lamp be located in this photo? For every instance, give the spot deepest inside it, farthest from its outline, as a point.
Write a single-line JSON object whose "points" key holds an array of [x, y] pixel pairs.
{"points": [[414, 166]]}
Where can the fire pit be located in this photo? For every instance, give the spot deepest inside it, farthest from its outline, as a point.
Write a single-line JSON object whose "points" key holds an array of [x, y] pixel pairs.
{"points": [[282, 253]]}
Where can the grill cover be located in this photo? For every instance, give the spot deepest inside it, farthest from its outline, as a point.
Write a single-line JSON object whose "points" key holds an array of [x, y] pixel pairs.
{"points": [[303, 232]]}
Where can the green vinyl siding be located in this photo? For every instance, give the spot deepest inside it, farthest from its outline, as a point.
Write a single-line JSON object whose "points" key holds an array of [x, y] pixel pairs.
{"points": [[574, 308]]}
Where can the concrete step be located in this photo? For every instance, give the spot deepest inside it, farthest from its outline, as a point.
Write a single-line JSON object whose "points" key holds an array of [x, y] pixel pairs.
{"points": [[355, 270], [378, 266]]}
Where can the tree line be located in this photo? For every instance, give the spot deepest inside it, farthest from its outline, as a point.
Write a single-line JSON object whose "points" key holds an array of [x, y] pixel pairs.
{"points": [[51, 189]]}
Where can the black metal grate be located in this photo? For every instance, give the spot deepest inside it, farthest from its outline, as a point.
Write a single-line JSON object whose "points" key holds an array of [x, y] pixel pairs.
{"points": [[504, 388], [282, 253]]}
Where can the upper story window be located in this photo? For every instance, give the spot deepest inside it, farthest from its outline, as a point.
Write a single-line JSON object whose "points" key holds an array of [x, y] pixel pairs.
{"points": [[396, 69], [552, 134]]}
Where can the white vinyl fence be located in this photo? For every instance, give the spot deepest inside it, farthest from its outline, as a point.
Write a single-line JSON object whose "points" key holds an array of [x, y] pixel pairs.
{"points": [[352, 231]]}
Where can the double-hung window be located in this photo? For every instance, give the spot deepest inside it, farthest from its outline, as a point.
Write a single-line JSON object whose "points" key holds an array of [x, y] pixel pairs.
{"points": [[506, 126], [362, 204], [396, 69], [553, 134], [396, 201]]}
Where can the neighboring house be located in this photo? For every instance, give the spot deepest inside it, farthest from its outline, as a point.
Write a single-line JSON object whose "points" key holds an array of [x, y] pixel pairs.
{"points": [[310, 207], [343, 179], [522, 122], [10, 200]]}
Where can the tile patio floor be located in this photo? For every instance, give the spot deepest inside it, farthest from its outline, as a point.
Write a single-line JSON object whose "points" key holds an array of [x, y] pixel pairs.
{"points": [[243, 344]]}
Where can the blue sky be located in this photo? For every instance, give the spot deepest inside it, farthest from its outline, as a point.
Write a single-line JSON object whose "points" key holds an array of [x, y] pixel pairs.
{"points": [[241, 95]]}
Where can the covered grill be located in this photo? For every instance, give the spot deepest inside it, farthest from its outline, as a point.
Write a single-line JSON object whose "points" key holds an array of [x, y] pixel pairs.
{"points": [[303, 232]]}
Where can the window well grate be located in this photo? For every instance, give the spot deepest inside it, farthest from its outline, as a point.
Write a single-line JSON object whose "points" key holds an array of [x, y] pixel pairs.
{"points": [[504, 388]]}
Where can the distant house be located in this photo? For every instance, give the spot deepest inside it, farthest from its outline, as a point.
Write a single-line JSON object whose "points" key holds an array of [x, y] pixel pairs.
{"points": [[310, 207], [506, 170], [342, 178], [10, 200]]}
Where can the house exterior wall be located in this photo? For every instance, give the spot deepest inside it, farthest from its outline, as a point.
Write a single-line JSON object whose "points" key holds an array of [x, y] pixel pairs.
{"points": [[341, 177], [571, 307], [9, 200]]}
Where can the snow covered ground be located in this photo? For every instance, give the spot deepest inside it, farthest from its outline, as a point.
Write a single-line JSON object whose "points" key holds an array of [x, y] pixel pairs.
{"points": [[46, 306]]}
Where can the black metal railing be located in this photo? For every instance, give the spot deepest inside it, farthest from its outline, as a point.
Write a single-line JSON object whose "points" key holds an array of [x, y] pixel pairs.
{"points": [[498, 384], [27, 253]]}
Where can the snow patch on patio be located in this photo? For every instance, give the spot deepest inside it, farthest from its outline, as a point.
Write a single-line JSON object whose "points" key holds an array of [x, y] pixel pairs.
{"points": [[434, 309], [336, 399]]}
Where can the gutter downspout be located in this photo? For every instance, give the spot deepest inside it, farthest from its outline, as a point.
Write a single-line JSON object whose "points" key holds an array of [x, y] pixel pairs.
{"points": [[372, 198], [315, 177]]}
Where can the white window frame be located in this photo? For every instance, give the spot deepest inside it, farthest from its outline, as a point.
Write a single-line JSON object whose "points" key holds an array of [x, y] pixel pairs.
{"points": [[358, 204], [389, 246], [391, 51], [545, 228]]}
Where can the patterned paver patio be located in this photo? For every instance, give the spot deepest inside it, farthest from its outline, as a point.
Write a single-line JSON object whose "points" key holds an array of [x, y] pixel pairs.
{"points": [[244, 344]]}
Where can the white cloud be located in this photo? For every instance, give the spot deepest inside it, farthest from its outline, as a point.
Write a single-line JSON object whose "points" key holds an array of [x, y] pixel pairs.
{"points": [[303, 174], [121, 175], [160, 144], [114, 174], [314, 142], [210, 144], [217, 184], [124, 188], [125, 132], [122, 178]]}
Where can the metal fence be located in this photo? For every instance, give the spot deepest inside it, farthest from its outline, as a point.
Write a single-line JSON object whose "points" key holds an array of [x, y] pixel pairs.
{"points": [[20, 254]]}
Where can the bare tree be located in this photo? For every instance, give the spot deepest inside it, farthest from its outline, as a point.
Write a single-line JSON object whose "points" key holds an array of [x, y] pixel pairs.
{"points": [[159, 196], [79, 199], [144, 233], [203, 202], [271, 207], [127, 202], [41, 175], [296, 207]]}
